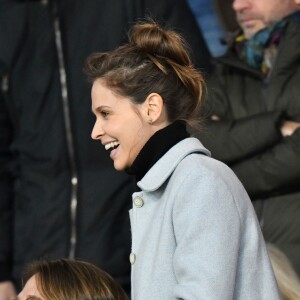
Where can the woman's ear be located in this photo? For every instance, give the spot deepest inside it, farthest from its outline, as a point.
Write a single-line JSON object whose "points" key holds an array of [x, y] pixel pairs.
{"points": [[154, 107]]}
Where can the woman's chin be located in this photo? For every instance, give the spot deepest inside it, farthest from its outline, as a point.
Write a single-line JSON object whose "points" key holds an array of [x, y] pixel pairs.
{"points": [[119, 167]]}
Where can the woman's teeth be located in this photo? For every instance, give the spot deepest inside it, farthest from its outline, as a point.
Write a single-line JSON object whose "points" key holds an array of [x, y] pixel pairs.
{"points": [[111, 145]]}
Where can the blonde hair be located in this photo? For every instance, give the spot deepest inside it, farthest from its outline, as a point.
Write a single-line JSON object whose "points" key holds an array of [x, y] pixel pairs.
{"points": [[66, 279], [154, 60], [287, 279]]}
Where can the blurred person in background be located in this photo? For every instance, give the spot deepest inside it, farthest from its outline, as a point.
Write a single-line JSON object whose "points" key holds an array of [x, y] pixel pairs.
{"points": [[66, 279], [253, 112], [58, 196]]}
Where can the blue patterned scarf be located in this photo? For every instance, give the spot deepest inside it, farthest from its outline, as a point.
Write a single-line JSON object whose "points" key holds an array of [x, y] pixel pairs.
{"points": [[260, 51], [256, 46]]}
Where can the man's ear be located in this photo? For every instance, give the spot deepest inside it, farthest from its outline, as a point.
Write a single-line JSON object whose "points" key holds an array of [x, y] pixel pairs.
{"points": [[153, 106]]}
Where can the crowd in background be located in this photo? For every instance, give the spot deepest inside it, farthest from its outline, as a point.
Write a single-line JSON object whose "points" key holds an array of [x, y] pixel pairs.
{"points": [[59, 194]]}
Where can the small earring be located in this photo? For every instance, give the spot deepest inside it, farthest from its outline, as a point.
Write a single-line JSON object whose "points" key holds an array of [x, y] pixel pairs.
{"points": [[150, 121]]}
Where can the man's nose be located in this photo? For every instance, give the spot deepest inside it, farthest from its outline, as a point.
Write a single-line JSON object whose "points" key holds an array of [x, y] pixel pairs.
{"points": [[97, 131], [239, 5]]}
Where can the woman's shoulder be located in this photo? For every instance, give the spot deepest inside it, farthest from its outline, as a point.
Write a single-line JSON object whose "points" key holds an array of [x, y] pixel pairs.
{"points": [[201, 164], [210, 181], [203, 171]]}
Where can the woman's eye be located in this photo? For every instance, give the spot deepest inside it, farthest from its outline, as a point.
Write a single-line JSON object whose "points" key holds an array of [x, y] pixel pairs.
{"points": [[104, 114]]}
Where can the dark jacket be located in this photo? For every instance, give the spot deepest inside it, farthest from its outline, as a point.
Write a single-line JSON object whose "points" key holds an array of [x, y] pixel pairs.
{"points": [[247, 136], [59, 193]]}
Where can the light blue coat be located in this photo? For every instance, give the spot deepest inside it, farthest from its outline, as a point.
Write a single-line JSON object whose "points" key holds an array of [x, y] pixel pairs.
{"points": [[195, 234]]}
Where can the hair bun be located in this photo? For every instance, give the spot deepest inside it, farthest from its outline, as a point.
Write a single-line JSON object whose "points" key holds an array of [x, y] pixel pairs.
{"points": [[156, 41]]}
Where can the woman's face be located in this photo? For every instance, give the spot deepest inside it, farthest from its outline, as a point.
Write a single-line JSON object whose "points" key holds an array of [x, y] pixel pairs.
{"points": [[121, 126], [30, 291]]}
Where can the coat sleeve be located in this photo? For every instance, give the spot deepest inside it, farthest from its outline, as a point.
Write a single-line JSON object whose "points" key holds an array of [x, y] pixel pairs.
{"points": [[230, 139], [265, 162], [234, 140], [210, 232], [206, 255], [272, 171], [178, 16]]}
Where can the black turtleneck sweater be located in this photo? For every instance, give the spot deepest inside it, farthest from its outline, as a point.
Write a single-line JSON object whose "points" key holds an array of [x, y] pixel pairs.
{"points": [[156, 147]]}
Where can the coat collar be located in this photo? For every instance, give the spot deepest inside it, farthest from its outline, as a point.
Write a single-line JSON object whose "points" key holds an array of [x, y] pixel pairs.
{"points": [[164, 167]]}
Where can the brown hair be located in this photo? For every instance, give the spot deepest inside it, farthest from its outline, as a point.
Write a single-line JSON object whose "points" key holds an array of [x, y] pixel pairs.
{"points": [[66, 279], [154, 60]]}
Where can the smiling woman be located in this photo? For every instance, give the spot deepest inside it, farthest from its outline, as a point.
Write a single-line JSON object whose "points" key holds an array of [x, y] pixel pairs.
{"points": [[194, 231], [115, 113], [131, 90]]}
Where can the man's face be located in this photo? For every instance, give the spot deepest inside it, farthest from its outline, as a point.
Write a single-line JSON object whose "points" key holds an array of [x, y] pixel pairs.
{"points": [[254, 15]]}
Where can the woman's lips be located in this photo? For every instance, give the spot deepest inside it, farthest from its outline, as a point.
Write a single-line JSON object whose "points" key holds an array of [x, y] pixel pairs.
{"points": [[113, 153]]}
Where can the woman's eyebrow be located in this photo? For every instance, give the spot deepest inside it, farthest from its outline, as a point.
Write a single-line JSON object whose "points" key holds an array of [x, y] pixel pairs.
{"points": [[97, 109], [32, 297], [101, 107]]}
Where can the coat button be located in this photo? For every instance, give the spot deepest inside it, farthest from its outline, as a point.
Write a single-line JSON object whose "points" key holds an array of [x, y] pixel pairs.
{"points": [[132, 258], [138, 202]]}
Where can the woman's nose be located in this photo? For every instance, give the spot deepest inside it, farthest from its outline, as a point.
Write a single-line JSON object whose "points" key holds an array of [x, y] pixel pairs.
{"points": [[97, 131]]}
